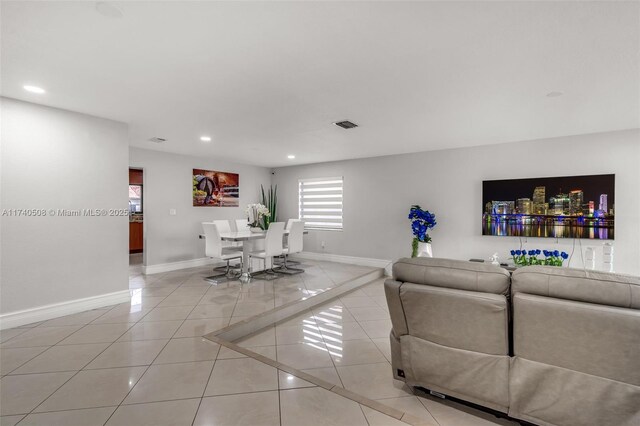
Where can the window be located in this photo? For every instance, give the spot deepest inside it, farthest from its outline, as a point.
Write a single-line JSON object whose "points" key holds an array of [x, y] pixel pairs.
{"points": [[320, 203]]}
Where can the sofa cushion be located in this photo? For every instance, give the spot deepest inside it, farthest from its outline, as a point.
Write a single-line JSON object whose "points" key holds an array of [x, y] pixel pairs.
{"points": [[593, 339], [472, 376], [458, 319], [549, 395]]}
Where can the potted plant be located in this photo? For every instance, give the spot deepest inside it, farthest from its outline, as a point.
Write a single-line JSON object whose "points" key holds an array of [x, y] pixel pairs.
{"points": [[421, 222], [527, 258], [256, 215], [270, 202]]}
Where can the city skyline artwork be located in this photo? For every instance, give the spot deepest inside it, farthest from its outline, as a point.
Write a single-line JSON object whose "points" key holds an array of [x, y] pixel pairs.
{"points": [[555, 207]]}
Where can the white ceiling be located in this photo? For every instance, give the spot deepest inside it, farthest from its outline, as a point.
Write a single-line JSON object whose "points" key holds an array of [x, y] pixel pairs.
{"points": [[268, 79]]}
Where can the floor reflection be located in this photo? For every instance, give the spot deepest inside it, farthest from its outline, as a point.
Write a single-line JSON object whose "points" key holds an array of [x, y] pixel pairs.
{"points": [[327, 332]]}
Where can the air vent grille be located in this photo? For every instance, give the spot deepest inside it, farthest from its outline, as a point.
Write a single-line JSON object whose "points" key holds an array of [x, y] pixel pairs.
{"points": [[157, 140], [346, 124]]}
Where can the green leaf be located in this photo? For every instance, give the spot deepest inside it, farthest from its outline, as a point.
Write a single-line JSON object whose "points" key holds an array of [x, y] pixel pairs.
{"points": [[414, 247]]}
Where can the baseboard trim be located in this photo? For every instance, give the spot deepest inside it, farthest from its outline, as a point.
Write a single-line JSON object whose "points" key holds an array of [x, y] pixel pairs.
{"points": [[175, 266], [353, 260], [47, 312]]}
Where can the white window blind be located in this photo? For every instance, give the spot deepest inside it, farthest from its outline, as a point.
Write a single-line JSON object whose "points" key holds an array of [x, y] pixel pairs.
{"points": [[320, 203]]}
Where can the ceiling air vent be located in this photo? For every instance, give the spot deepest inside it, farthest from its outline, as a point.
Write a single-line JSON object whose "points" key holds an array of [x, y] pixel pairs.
{"points": [[157, 140], [346, 124]]}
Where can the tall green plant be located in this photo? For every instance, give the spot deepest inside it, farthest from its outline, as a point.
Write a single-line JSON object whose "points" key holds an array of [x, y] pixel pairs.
{"points": [[271, 202]]}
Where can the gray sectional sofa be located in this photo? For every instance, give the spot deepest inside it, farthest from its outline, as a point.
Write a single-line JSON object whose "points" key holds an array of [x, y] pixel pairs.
{"points": [[548, 345]]}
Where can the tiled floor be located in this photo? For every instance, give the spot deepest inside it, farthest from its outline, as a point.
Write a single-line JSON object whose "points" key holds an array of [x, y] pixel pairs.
{"points": [[346, 342], [145, 362]]}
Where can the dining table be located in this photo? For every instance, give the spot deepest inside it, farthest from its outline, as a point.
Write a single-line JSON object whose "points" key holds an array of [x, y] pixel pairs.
{"points": [[248, 239]]}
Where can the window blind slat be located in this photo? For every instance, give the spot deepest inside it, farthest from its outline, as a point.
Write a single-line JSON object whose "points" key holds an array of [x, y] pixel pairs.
{"points": [[323, 225], [323, 203], [337, 189], [320, 210], [320, 202], [319, 216]]}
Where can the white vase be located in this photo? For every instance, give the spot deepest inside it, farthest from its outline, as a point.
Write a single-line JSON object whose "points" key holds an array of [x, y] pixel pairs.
{"points": [[255, 229], [424, 250]]}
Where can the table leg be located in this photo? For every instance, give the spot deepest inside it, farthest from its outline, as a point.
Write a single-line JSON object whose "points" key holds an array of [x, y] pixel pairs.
{"points": [[246, 248]]}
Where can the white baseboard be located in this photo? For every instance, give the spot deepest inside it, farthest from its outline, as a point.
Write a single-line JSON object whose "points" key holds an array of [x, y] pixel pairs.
{"points": [[47, 312], [353, 260], [175, 266]]}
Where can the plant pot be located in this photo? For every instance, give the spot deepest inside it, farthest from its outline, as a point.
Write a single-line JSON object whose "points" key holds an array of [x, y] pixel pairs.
{"points": [[200, 199], [424, 250], [255, 229]]}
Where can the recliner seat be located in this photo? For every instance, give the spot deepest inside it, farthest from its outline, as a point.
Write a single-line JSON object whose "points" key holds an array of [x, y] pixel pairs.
{"points": [[576, 342], [575, 346], [451, 328]]}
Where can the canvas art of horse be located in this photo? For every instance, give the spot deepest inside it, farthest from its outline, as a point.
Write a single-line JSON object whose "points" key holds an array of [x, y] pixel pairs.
{"points": [[207, 185], [215, 189]]}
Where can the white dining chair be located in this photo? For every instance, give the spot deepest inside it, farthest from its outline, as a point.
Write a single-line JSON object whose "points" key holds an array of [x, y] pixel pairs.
{"points": [[242, 224], [224, 226], [272, 247], [295, 243], [290, 223], [215, 250]]}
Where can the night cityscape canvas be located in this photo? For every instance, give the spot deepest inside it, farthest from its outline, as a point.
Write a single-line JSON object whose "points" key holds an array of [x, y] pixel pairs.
{"points": [[555, 207]]}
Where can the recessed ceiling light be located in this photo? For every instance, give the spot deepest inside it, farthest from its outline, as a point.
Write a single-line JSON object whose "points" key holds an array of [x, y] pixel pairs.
{"points": [[34, 89], [554, 94], [109, 10], [291, 157], [205, 138]]}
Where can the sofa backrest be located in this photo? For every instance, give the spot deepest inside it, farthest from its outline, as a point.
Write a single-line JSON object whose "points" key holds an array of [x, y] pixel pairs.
{"points": [[579, 320], [453, 303], [601, 288], [454, 274]]}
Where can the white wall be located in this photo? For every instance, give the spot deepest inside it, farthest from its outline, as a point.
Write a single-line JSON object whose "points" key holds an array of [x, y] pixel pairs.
{"points": [[56, 159], [379, 191], [168, 185]]}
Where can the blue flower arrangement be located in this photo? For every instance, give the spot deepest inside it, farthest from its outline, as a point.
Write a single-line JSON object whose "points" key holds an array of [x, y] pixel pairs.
{"points": [[552, 257], [421, 222]]}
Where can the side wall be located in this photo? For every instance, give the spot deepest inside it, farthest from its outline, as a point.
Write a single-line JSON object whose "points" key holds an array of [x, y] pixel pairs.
{"points": [[55, 159], [378, 193]]}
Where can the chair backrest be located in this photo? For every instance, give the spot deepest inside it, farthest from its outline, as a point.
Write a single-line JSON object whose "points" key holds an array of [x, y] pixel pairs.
{"points": [[296, 237], [223, 226], [273, 240], [290, 223], [242, 224], [213, 242]]}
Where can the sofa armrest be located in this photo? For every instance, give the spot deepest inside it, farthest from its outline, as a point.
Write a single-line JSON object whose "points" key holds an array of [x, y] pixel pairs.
{"points": [[396, 311]]}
